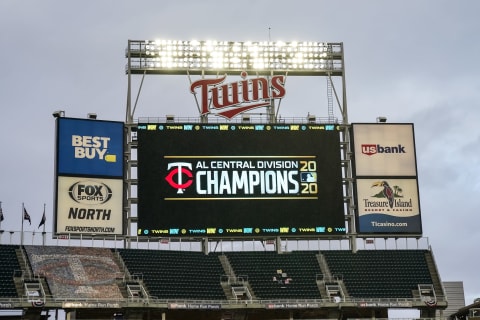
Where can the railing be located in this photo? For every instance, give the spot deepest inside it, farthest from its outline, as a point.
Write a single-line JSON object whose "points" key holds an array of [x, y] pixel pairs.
{"points": [[332, 278], [252, 120], [234, 280], [179, 244], [314, 303]]}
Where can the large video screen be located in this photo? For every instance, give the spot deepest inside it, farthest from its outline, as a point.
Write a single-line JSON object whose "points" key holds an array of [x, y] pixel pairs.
{"points": [[230, 180]]}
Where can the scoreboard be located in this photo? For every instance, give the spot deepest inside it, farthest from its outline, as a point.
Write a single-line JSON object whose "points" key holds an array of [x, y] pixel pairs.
{"points": [[231, 180]]}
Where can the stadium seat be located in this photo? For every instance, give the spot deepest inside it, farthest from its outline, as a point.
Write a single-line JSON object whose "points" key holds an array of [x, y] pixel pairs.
{"points": [[176, 274], [80, 272], [10, 266], [279, 276], [380, 273]]}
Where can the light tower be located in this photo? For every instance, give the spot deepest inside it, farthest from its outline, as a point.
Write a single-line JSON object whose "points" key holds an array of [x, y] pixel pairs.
{"points": [[257, 58]]}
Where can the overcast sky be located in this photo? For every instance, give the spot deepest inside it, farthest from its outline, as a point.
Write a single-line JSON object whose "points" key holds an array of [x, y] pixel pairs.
{"points": [[411, 61]]}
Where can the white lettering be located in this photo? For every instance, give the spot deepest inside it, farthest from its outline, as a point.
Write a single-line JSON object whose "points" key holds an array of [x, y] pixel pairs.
{"points": [[90, 147]]}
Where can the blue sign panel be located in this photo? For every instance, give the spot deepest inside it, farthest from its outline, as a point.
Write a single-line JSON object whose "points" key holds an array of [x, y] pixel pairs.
{"points": [[90, 147]]}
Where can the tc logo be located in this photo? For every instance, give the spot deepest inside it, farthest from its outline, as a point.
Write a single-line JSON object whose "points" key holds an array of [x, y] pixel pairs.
{"points": [[179, 169]]}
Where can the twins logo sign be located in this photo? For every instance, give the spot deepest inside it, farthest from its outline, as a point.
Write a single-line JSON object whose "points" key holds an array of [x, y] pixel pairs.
{"points": [[175, 177]]}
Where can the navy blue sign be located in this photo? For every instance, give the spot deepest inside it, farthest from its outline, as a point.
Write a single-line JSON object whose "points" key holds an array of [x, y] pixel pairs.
{"points": [[90, 147]]}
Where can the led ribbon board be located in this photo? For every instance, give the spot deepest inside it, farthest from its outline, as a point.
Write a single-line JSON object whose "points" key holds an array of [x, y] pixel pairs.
{"points": [[239, 180]]}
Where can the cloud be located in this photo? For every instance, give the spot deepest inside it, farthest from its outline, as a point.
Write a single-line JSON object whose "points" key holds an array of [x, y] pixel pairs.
{"points": [[410, 61]]}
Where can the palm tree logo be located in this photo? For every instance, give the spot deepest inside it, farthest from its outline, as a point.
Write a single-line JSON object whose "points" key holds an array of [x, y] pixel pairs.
{"points": [[388, 192]]}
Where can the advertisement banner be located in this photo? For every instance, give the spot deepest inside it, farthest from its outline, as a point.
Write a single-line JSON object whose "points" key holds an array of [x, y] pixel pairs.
{"points": [[388, 205], [89, 205], [384, 149], [90, 147]]}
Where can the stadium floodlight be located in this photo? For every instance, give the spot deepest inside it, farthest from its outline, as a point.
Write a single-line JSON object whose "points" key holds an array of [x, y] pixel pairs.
{"points": [[381, 119], [58, 114], [92, 116], [246, 118], [306, 58]]}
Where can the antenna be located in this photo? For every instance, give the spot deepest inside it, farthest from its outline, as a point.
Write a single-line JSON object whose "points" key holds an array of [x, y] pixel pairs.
{"points": [[271, 109]]}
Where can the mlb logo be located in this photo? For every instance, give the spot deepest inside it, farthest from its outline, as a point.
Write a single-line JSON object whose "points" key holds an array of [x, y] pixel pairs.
{"points": [[308, 177]]}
